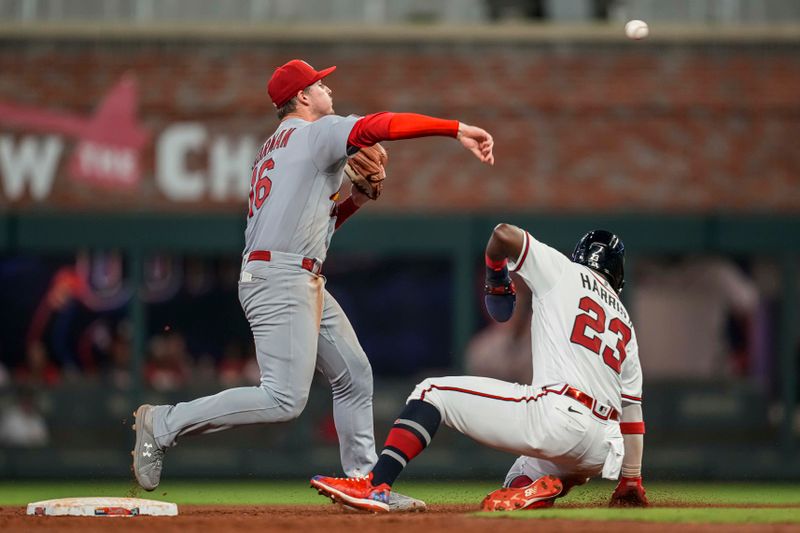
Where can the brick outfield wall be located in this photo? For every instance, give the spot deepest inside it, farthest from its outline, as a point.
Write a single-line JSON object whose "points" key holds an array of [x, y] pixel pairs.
{"points": [[578, 127]]}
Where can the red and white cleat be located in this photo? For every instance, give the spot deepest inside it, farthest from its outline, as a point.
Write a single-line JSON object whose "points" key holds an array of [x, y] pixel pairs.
{"points": [[356, 492], [539, 494]]}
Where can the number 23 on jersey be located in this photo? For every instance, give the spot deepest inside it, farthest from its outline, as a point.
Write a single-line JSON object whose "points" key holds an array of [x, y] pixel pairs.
{"points": [[593, 319], [260, 185]]}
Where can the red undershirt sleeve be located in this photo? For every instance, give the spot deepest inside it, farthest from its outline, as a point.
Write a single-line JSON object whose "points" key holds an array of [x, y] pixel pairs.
{"points": [[388, 126], [344, 211]]}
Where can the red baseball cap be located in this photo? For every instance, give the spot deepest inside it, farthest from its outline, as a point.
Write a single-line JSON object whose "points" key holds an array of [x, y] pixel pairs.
{"points": [[291, 77]]}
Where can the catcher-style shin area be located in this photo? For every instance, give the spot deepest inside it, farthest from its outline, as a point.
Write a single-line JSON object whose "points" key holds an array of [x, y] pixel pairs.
{"points": [[100, 506]]}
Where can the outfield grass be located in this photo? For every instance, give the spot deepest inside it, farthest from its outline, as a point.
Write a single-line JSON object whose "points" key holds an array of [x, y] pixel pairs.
{"points": [[297, 492]]}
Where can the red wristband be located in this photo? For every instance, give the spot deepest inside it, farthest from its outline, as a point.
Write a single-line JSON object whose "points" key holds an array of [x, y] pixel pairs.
{"points": [[496, 264], [632, 428]]}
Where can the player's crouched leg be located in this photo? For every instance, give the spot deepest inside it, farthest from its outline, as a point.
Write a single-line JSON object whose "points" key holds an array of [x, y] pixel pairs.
{"points": [[453, 399], [457, 393], [479, 408], [427, 391]]}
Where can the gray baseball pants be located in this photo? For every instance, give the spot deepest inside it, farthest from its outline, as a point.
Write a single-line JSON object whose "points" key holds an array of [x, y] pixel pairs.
{"points": [[298, 327]]}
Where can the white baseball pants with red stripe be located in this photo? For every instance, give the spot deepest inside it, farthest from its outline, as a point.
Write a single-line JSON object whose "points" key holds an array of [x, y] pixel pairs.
{"points": [[559, 435]]}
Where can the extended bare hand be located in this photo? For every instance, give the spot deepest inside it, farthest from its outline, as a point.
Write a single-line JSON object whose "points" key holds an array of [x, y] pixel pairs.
{"points": [[477, 141]]}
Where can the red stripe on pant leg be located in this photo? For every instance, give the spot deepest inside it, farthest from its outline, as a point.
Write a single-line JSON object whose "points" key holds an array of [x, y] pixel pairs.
{"points": [[490, 396], [405, 441]]}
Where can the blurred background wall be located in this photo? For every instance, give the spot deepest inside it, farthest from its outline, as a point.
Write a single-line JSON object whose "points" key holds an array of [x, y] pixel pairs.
{"points": [[127, 132]]}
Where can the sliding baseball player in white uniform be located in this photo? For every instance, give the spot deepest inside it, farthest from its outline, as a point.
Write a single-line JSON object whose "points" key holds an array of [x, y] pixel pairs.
{"points": [[582, 415], [297, 325]]}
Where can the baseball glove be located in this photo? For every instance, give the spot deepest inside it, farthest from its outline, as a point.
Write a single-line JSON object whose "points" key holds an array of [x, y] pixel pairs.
{"points": [[367, 170]]}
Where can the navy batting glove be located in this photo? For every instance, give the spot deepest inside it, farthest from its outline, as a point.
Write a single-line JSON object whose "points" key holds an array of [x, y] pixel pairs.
{"points": [[501, 297]]}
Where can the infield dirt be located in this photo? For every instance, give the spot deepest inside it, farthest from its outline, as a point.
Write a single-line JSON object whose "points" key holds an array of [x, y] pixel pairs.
{"points": [[335, 519]]}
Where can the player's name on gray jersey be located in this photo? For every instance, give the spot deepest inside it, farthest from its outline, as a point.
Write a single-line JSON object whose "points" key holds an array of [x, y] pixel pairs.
{"points": [[609, 298], [278, 140]]}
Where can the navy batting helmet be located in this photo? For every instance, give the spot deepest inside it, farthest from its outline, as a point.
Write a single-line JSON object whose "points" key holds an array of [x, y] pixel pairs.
{"points": [[604, 252]]}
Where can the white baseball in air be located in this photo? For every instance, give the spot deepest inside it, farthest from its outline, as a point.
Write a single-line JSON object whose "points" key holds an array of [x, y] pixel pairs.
{"points": [[636, 29]]}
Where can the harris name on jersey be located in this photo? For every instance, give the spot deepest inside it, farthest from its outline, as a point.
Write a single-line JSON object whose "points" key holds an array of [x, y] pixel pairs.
{"points": [[609, 298]]}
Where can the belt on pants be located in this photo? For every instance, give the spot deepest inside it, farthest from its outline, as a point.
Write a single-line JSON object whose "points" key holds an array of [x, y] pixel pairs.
{"points": [[601, 411], [306, 263]]}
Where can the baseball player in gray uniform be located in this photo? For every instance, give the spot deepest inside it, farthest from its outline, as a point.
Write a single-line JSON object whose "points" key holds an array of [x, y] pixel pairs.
{"points": [[297, 325]]}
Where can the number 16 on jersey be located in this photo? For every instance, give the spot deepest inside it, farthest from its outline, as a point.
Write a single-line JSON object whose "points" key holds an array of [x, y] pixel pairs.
{"points": [[260, 185]]}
